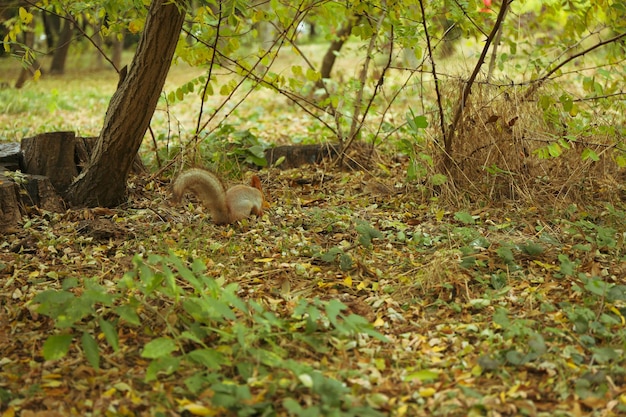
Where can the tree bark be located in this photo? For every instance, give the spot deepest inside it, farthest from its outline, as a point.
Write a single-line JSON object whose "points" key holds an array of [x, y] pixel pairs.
{"points": [[51, 155], [335, 46], [62, 47], [32, 64], [103, 183]]}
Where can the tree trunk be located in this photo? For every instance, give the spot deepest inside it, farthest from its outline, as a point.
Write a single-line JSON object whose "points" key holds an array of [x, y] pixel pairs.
{"points": [[32, 64], [62, 47], [103, 183], [333, 50]]}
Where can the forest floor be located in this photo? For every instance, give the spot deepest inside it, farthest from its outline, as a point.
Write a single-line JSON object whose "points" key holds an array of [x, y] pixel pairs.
{"points": [[471, 306]]}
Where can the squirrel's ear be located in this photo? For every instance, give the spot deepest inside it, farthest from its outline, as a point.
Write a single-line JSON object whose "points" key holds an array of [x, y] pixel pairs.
{"points": [[255, 182]]}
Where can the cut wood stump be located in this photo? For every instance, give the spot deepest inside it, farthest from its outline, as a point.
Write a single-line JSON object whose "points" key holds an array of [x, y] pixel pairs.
{"points": [[49, 162], [10, 212], [51, 155]]}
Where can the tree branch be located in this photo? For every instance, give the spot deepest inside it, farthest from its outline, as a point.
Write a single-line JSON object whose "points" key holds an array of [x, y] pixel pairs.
{"points": [[468, 86]]}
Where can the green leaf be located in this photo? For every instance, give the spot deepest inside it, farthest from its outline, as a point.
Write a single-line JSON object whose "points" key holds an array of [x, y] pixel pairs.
{"points": [[532, 248], [57, 346], [516, 358], [367, 233], [438, 179], [297, 70], [567, 102], [128, 314], [464, 217], [506, 254], [414, 122], [537, 344], [209, 358], [605, 354], [333, 309], [597, 286], [589, 154], [617, 293], [567, 267], [554, 149], [110, 334], [158, 348], [90, 347], [345, 262], [331, 254], [166, 365], [422, 375]]}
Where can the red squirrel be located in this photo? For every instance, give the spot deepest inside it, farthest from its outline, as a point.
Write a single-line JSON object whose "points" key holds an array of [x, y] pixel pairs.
{"points": [[226, 205]]}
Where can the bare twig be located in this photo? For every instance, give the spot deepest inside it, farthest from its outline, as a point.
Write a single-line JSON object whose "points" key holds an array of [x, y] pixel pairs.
{"points": [[434, 72], [494, 52], [543, 79], [210, 72], [354, 127], [379, 84], [468, 85]]}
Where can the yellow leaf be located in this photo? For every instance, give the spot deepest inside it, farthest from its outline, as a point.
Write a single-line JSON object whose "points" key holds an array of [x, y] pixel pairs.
{"points": [[439, 215], [512, 390], [297, 70], [379, 322], [347, 281], [36, 75], [545, 265], [109, 393], [312, 75], [25, 15], [263, 260], [402, 410], [618, 314], [427, 392], [198, 409], [135, 26], [9, 412]]}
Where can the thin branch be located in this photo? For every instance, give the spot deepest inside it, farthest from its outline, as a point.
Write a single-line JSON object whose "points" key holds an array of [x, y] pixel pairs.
{"points": [[543, 79], [354, 127], [468, 86], [210, 72], [434, 72], [379, 85], [494, 53]]}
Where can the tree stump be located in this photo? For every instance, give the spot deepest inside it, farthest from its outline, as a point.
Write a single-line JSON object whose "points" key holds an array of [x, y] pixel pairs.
{"points": [[10, 212], [49, 163], [51, 155]]}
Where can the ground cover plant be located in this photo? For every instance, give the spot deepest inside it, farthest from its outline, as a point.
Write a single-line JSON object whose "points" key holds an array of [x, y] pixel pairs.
{"points": [[407, 281]]}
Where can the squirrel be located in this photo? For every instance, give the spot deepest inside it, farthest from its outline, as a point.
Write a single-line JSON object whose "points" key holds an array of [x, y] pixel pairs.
{"points": [[226, 205]]}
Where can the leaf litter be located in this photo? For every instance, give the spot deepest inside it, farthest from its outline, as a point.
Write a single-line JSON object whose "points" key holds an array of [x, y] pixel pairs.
{"points": [[508, 313], [504, 309]]}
